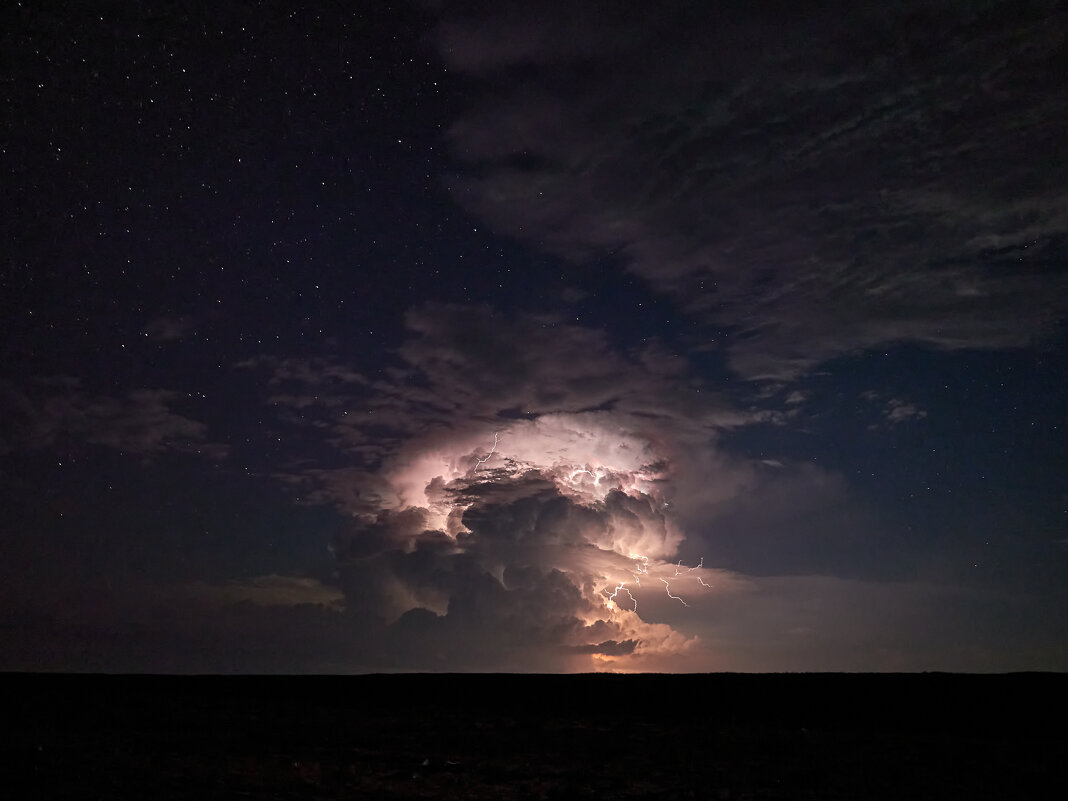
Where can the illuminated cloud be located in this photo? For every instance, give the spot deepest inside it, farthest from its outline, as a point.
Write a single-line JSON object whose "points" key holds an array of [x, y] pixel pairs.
{"points": [[511, 552]]}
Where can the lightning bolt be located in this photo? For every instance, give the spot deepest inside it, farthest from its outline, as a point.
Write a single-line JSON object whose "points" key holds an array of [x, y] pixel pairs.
{"points": [[667, 587], [700, 564], [481, 462], [641, 568], [623, 588], [680, 569]]}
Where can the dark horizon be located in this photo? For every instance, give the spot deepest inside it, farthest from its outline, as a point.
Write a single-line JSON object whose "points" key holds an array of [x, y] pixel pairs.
{"points": [[468, 736]]}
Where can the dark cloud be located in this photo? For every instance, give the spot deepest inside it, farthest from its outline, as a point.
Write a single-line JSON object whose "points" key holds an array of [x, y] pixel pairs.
{"points": [[898, 411], [317, 372], [518, 588], [48, 413], [796, 519], [608, 648], [471, 362], [467, 372], [807, 183], [270, 590]]}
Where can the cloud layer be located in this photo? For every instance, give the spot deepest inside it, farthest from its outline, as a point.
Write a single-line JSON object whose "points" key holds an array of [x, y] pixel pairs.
{"points": [[806, 184]]}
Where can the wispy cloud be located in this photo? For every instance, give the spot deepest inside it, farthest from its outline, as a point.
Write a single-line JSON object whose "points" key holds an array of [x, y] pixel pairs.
{"points": [[894, 410], [836, 184], [45, 412]]}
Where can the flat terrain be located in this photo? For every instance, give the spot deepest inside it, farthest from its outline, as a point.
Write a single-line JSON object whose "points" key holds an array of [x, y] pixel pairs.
{"points": [[818, 736]]}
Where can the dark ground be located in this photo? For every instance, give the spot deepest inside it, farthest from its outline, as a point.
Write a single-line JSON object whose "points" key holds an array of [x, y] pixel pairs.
{"points": [[931, 736]]}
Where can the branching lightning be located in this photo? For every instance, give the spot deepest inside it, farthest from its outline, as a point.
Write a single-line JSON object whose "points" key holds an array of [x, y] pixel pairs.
{"points": [[698, 566], [641, 568], [623, 588], [679, 569]]}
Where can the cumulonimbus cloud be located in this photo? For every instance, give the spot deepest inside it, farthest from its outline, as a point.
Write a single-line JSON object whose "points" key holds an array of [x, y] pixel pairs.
{"points": [[538, 543]]}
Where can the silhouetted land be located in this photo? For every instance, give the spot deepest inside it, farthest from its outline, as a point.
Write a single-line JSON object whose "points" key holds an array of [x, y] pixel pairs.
{"points": [[796, 736]]}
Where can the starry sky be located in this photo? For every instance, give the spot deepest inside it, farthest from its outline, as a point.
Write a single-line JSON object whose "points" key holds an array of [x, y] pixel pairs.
{"points": [[524, 336]]}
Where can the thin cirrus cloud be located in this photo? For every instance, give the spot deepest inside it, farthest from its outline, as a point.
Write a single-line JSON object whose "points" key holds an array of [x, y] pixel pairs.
{"points": [[806, 189]]}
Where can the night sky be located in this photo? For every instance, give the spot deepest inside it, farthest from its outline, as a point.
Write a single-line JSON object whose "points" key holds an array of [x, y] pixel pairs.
{"points": [[539, 336]]}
